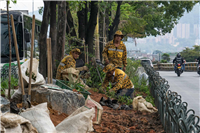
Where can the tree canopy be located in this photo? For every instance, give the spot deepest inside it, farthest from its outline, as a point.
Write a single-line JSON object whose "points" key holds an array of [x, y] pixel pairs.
{"points": [[190, 54]]}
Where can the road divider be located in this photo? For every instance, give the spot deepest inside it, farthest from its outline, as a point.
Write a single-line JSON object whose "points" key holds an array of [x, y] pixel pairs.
{"points": [[189, 66]]}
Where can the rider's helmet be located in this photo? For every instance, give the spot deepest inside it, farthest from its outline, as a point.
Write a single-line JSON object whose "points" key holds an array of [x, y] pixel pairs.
{"points": [[178, 55]]}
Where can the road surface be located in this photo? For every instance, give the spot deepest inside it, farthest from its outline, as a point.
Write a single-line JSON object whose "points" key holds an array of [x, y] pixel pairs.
{"points": [[187, 85]]}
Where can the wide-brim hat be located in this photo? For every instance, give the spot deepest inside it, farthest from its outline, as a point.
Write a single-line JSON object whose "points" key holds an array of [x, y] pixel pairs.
{"points": [[119, 33], [75, 50], [109, 68]]}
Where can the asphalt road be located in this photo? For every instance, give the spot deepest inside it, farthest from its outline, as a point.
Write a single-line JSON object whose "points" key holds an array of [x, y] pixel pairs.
{"points": [[187, 85]]}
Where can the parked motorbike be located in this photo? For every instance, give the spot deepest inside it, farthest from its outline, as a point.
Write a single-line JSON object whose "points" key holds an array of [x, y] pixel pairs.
{"points": [[178, 69]]}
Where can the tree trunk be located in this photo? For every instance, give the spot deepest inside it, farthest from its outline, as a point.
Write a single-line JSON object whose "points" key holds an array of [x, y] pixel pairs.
{"points": [[101, 29], [69, 23], [114, 26], [61, 30], [10, 51], [91, 27], [53, 34], [81, 30], [42, 40]]}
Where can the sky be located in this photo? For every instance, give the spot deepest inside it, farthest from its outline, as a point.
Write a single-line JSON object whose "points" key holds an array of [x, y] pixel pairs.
{"points": [[23, 5]]}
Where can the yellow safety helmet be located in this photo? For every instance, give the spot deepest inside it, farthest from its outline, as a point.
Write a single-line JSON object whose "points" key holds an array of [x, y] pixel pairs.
{"points": [[119, 33], [75, 50], [109, 68]]}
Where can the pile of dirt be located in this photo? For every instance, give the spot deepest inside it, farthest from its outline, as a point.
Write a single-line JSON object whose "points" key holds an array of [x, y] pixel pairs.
{"points": [[121, 121], [55, 116]]}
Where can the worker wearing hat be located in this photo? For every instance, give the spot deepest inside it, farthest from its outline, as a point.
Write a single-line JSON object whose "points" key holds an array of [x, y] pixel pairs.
{"points": [[68, 61], [121, 82], [115, 51]]}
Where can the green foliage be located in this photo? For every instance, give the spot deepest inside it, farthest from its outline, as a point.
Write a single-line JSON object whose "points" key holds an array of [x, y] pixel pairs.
{"points": [[163, 61], [5, 85], [13, 1], [190, 54], [94, 79], [132, 67], [141, 87], [125, 100], [154, 18], [165, 57]]}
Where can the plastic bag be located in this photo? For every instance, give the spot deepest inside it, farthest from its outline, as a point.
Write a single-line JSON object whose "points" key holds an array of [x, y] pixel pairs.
{"points": [[77, 122], [40, 119]]}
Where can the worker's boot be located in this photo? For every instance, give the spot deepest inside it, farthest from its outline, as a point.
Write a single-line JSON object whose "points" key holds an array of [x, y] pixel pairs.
{"points": [[102, 101]]}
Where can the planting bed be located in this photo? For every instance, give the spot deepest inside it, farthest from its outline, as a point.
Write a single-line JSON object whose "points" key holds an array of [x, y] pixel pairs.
{"points": [[121, 121]]}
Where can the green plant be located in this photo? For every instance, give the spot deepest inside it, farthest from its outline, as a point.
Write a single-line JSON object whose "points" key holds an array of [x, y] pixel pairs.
{"points": [[5, 85], [94, 79]]}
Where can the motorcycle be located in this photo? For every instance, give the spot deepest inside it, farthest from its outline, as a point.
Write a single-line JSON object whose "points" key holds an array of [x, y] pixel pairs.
{"points": [[178, 69], [198, 69]]}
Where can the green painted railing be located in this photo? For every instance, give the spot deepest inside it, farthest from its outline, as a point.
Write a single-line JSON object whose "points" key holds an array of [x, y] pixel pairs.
{"points": [[174, 114]]}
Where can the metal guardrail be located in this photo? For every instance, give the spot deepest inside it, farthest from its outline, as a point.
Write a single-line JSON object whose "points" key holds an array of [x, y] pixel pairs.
{"points": [[174, 115], [189, 66]]}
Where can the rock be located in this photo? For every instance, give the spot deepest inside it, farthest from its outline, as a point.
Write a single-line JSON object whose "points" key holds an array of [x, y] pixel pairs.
{"points": [[62, 100], [5, 105]]}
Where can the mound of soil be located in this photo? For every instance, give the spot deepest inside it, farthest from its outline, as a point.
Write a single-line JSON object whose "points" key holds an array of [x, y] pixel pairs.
{"points": [[126, 121]]}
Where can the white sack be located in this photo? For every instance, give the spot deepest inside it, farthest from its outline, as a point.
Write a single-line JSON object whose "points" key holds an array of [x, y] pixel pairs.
{"points": [[79, 123], [40, 119]]}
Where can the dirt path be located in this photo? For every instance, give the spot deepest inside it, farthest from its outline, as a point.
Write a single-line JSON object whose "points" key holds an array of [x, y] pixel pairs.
{"points": [[121, 121]]}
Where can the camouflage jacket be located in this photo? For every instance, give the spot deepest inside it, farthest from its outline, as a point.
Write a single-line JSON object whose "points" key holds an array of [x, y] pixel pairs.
{"points": [[119, 80], [115, 55], [66, 62]]}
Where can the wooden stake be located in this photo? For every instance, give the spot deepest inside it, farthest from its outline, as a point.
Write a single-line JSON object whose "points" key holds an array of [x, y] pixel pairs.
{"points": [[51, 71], [84, 49], [17, 54], [31, 60], [48, 62]]}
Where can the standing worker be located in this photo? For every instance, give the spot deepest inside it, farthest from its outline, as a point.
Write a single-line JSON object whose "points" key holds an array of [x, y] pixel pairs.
{"points": [[115, 52], [67, 62], [121, 83]]}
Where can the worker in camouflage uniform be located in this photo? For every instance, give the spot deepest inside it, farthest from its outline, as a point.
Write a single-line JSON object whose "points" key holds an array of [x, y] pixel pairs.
{"points": [[115, 52], [68, 61], [121, 83]]}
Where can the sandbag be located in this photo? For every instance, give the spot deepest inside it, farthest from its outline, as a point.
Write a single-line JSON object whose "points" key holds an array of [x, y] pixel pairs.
{"points": [[13, 123], [72, 75], [17, 96], [140, 104], [40, 119], [77, 123], [26, 66], [90, 103]]}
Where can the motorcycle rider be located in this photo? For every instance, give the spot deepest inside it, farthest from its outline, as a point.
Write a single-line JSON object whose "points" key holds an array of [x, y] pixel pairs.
{"points": [[178, 59], [198, 59]]}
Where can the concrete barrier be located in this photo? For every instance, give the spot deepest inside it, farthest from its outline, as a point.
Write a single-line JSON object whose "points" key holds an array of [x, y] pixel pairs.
{"points": [[189, 66]]}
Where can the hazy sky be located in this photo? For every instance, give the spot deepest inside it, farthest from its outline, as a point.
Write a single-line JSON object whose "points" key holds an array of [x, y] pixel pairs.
{"points": [[23, 5]]}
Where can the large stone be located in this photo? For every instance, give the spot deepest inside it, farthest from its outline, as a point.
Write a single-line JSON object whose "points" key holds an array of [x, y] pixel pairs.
{"points": [[62, 100], [5, 105]]}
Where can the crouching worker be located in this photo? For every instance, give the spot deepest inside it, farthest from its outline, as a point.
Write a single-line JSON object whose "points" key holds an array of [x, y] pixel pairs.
{"points": [[121, 83], [67, 68]]}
